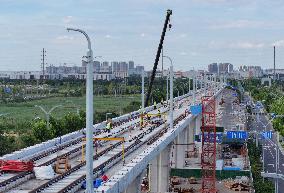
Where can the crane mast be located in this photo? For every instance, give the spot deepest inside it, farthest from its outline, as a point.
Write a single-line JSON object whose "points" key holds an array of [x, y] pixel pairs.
{"points": [[166, 25]]}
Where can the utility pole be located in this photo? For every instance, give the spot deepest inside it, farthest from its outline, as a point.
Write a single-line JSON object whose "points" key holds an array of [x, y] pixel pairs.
{"points": [[43, 55]]}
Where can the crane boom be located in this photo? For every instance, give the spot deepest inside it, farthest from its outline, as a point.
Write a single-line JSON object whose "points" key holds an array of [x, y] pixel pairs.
{"points": [[169, 13]]}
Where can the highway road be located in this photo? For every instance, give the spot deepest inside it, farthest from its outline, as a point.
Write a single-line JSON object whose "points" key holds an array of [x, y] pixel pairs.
{"points": [[262, 123]]}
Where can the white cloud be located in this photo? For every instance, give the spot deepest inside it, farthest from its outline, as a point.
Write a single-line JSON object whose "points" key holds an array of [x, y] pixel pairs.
{"points": [[183, 53], [246, 45], [65, 37], [193, 53], [5, 35], [183, 35], [237, 24], [108, 36], [142, 35], [279, 43], [67, 19], [235, 45]]}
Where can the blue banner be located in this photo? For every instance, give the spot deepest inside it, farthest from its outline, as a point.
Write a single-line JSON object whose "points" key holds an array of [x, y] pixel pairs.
{"points": [[237, 134], [267, 135], [196, 109], [219, 137]]}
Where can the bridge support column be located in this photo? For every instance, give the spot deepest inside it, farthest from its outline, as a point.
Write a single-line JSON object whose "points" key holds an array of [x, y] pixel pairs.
{"points": [[159, 172], [153, 174], [192, 130], [164, 170], [135, 186], [198, 124], [187, 134], [180, 149]]}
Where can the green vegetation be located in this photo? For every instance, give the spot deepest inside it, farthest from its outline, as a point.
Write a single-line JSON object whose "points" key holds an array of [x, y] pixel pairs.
{"points": [[260, 185], [27, 110], [23, 124], [271, 97]]}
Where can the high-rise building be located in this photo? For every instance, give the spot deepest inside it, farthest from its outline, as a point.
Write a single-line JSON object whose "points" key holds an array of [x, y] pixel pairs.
{"points": [[139, 69], [105, 68], [131, 65], [115, 66], [96, 65], [213, 68], [225, 68], [123, 66], [251, 71]]}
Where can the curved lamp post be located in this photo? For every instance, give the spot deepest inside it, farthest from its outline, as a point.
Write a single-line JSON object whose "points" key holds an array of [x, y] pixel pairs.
{"points": [[171, 92], [47, 113], [89, 114], [183, 87]]}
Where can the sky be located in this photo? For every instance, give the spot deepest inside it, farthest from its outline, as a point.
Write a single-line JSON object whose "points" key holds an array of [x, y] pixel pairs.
{"points": [[242, 32]]}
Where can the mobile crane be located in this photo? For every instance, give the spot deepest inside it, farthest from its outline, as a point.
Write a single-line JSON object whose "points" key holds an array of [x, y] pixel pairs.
{"points": [[166, 25]]}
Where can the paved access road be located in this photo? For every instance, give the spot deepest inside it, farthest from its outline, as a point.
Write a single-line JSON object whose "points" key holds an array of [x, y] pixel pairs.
{"points": [[262, 123]]}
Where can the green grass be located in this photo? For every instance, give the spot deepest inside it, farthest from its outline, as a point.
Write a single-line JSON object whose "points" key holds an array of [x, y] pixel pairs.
{"points": [[27, 110]]}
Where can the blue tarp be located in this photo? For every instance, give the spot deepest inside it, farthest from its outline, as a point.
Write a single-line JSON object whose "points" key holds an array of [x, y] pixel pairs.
{"points": [[232, 168], [196, 109], [97, 183]]}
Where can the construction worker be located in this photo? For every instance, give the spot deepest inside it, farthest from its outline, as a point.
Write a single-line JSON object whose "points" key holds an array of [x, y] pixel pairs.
{"points": [[109, 125], [159, 113]]}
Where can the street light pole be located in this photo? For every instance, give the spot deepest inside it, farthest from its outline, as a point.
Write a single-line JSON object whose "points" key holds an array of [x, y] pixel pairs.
{"points": [[177, 90], [167, 86], [89, 115], [171, 92], [194, 85], [171, 96], [143, 91], [47, 113], [189, 85], [183, 87], [107, 115]]}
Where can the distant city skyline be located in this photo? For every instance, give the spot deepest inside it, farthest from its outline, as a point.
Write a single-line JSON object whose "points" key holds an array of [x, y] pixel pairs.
{"points": [[239, 32]]}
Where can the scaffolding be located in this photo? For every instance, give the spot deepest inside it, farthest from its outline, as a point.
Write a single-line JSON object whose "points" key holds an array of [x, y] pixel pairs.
{"points": [[208, 155]]}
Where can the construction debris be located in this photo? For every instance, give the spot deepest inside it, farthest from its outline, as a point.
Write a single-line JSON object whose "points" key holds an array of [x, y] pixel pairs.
{"points": [[241, 183]]}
